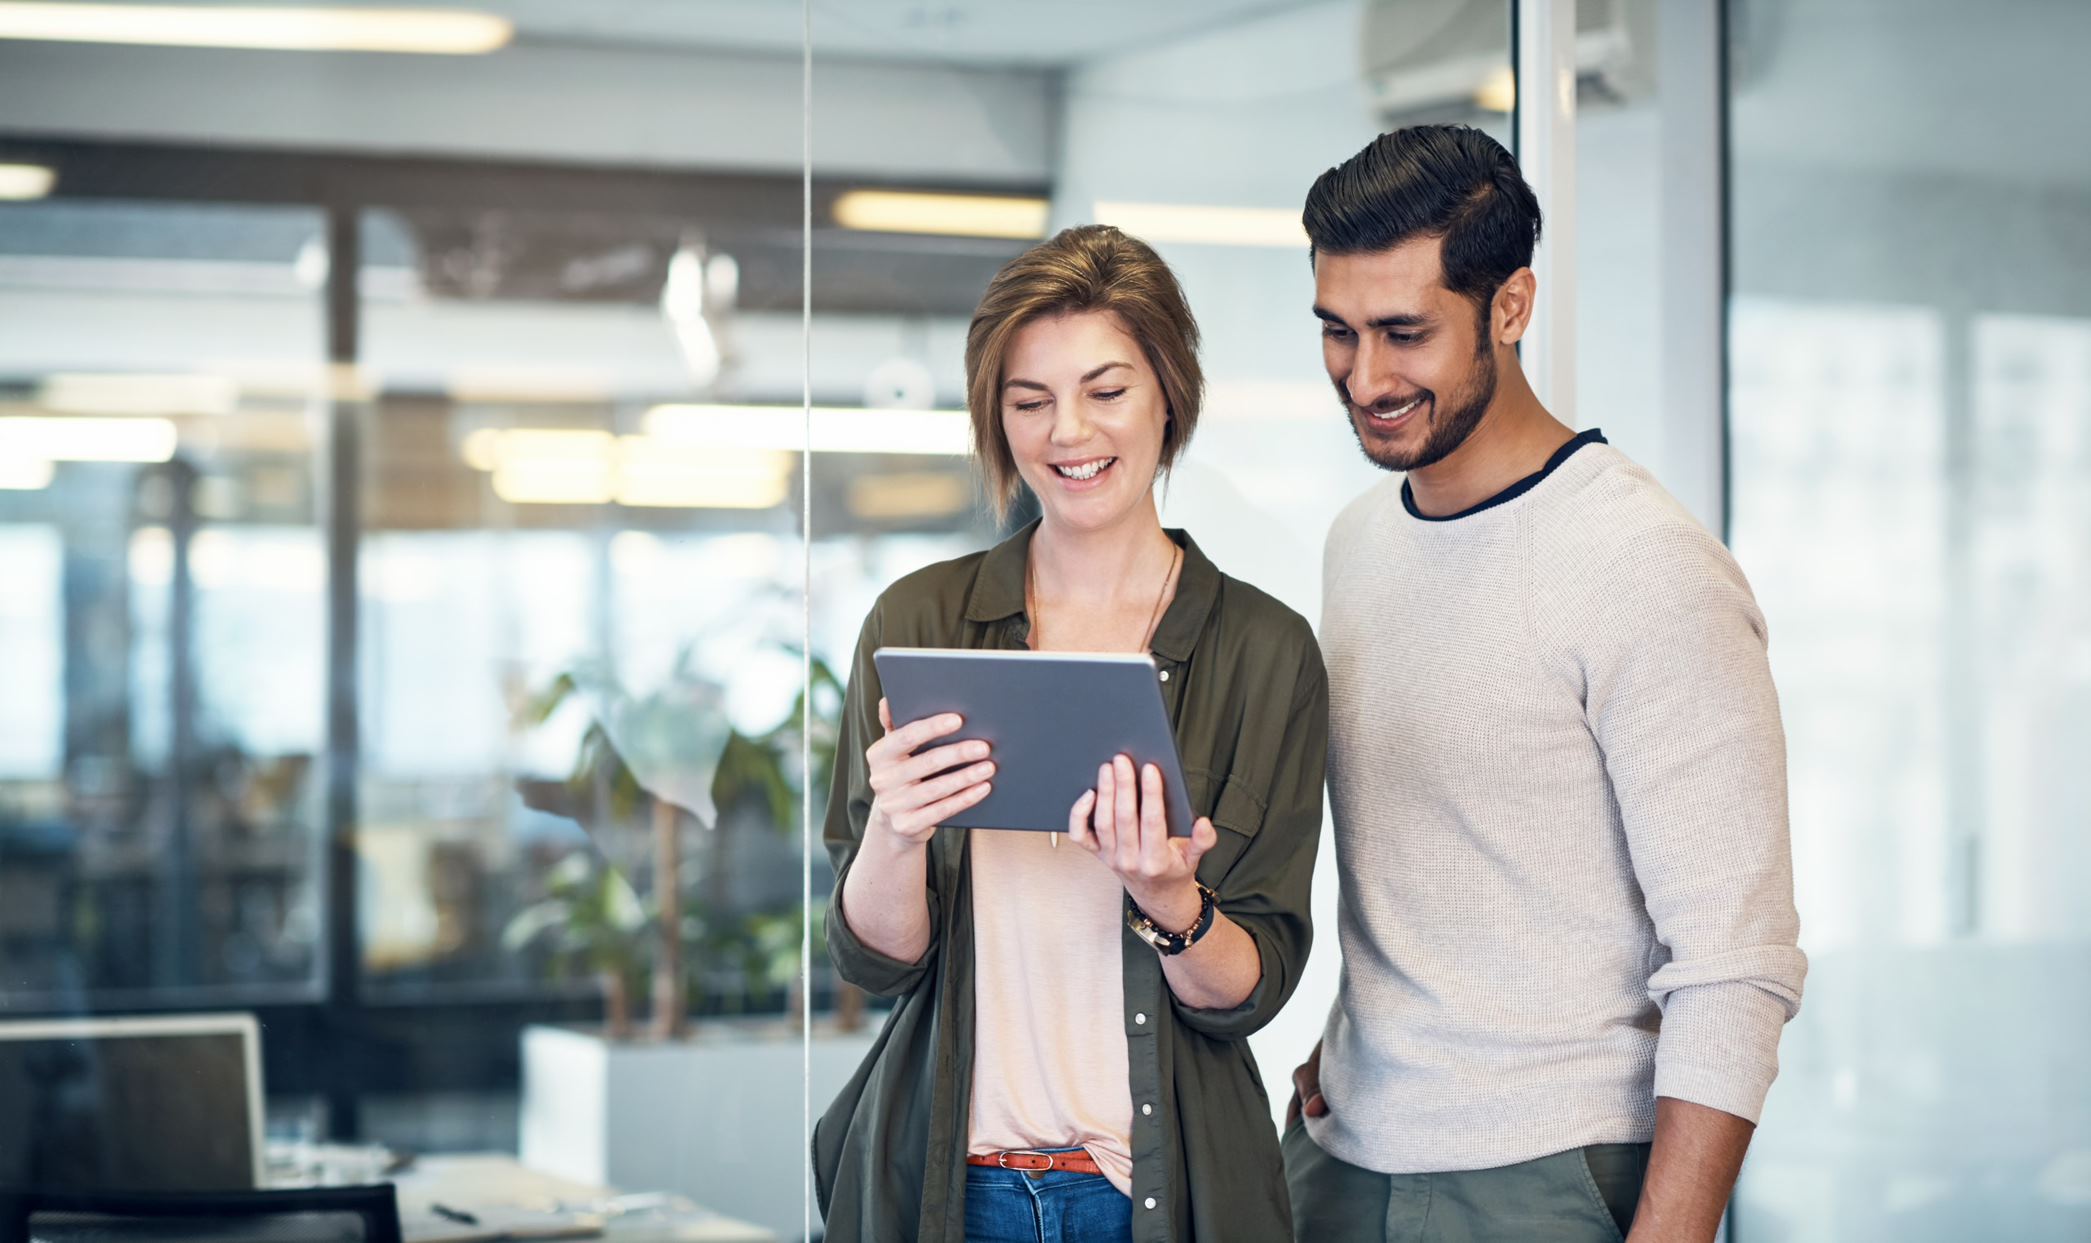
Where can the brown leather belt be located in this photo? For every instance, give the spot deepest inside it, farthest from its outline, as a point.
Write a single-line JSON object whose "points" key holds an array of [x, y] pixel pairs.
{"points": [[1076, 1162]]}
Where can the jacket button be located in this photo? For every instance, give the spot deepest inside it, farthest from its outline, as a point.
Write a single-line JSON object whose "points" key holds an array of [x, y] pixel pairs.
{"points": [[1140, 1020], [1150, 1201], [1165, 675]]}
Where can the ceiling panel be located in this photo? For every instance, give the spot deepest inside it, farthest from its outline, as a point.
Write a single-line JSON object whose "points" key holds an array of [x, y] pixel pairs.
{"points": [[974, 32]]}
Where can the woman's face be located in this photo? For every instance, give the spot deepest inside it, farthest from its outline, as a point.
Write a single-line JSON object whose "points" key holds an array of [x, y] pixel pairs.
{"points": [[1084, 413]]}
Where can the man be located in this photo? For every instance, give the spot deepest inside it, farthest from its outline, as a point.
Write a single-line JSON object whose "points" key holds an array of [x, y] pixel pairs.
{"points": [[1556, 768]]}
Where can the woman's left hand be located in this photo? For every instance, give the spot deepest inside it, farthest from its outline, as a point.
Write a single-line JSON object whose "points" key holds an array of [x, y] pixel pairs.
{"points": [[1122, 823]]}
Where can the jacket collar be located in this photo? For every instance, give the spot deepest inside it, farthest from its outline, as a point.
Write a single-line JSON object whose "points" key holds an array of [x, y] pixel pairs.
{"points": [[998, 590]]}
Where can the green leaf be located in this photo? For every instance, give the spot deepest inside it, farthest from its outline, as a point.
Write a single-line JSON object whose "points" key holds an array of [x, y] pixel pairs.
{"points": [[621, 906], [540, 707], [533, 922]]}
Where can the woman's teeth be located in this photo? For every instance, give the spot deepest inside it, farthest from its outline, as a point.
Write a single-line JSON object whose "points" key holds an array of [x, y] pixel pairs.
{"points": [[1087, 470]]}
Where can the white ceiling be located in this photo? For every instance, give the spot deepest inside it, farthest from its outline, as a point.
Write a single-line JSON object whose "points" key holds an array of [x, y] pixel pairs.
{"points": [[1031, 33], [1017, 32], [1908, 86]]}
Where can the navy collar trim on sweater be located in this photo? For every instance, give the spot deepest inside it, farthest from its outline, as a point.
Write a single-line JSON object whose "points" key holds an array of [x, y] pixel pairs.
{"points": [[1515, 490]]}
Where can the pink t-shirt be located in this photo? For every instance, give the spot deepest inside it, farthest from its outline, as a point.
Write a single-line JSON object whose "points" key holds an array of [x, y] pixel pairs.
{"points": [[1049, 1058]]}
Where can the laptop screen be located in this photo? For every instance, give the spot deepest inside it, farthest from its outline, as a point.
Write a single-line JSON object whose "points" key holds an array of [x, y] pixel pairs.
{"points": [[129, 1105]]}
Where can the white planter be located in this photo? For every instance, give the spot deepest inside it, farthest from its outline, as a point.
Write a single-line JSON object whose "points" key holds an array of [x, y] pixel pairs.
{"points": [[718, 1117]]}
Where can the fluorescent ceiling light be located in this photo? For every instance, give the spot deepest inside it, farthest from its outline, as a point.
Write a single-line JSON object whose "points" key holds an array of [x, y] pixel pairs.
{"points": [[450, 32], [482, 448], [576, 466], [138, 394], [1204, 225], [940, 433], [541, 466], [87, 440], [554, 481], [955, 215], [25, 474], [21, 182], [654, 473], [909, 495]]}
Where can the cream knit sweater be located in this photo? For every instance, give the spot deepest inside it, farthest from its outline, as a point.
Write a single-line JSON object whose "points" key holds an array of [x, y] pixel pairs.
{"points": [[1558, 780]]}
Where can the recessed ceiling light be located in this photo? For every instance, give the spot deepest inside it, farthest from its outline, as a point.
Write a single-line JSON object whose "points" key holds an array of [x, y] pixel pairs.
{"points": [[19, 182], [452, 32], [951, 215], [139, 394], [25, 474], [88, 439]]}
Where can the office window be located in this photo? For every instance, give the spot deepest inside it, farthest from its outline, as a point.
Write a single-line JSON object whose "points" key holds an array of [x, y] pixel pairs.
{"points": [[568, 604], [32, 628], [159, 636], [1908, 408]]}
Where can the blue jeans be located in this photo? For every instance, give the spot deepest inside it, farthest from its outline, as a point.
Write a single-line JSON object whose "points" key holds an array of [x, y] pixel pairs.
{"points": [[1010, 1206]]}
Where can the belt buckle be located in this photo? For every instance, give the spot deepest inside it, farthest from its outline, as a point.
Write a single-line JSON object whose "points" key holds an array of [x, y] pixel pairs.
{"points": [[1002, 1159]]}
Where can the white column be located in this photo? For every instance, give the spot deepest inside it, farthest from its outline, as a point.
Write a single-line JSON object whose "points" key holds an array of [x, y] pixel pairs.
{"points": [[1546, 117], [1689, 51]]}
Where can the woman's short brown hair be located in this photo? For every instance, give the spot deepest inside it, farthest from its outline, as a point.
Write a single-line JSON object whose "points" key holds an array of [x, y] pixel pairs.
{"points": [[1091, 267]]}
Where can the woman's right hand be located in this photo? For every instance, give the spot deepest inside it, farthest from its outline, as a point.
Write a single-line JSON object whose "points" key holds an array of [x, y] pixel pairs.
{"points": [[909, 797]]}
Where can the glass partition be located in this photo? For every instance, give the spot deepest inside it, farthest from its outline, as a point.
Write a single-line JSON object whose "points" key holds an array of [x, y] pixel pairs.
{"points": [[575, 600], [1199, 133], [402, 640], [162, 646], [1909, 341]]}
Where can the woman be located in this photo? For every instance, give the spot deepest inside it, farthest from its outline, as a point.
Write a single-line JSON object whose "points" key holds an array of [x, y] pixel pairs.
{"points": [[1047, 1072]]}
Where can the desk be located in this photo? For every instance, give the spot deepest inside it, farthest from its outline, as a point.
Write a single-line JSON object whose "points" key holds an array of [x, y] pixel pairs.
{"points": [[500, 1185]]}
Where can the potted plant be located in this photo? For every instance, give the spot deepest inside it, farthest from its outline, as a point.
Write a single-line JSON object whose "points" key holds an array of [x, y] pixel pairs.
{"points": [[694, 1110], [593, 920], [670, 761]]}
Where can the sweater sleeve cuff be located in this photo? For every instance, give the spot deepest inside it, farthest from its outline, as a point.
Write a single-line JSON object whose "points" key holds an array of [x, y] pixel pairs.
{"points": [[1719, 1047]]}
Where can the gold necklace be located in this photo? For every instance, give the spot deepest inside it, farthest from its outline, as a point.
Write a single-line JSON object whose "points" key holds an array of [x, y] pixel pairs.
{"points": [[1154, 619]]}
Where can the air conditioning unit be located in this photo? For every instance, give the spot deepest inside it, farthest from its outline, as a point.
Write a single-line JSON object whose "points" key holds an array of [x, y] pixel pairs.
{"points": [[1450, 60]]}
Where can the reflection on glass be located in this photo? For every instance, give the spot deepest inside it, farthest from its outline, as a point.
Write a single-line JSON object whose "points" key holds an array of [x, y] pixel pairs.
{"points": [[1911, 384], [579, 657], [160, 637]]}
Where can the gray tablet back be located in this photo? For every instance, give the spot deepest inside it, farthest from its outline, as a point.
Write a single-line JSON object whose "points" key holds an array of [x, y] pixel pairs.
{"points": [[1052, 719]]}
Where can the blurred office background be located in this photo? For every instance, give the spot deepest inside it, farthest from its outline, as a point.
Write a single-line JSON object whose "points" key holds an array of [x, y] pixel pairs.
{"points": [[402, 535]]}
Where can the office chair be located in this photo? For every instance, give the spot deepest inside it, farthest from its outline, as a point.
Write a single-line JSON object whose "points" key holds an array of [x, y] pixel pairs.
{"points": [[305, 1215]]}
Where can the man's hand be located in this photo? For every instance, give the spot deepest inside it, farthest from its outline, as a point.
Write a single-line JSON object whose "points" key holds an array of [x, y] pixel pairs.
{"points": [[1306, 1090], [1691, 1173]]}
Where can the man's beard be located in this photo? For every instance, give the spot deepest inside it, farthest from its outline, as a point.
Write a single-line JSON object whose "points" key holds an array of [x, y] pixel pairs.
{"points": [[1446, 430]]}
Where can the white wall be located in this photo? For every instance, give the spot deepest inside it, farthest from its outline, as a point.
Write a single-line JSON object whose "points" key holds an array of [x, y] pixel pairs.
{"points": [[1619, 313]]}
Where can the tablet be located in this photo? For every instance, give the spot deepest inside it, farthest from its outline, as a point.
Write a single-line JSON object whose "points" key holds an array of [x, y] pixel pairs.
{"points": [[1052, 718]]}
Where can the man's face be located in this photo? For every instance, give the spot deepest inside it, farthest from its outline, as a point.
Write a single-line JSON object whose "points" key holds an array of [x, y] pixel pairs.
{"points": [[1411, 360]]}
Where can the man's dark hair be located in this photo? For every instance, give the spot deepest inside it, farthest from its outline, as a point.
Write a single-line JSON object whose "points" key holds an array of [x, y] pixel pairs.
{"points": [[1445, 181]]}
